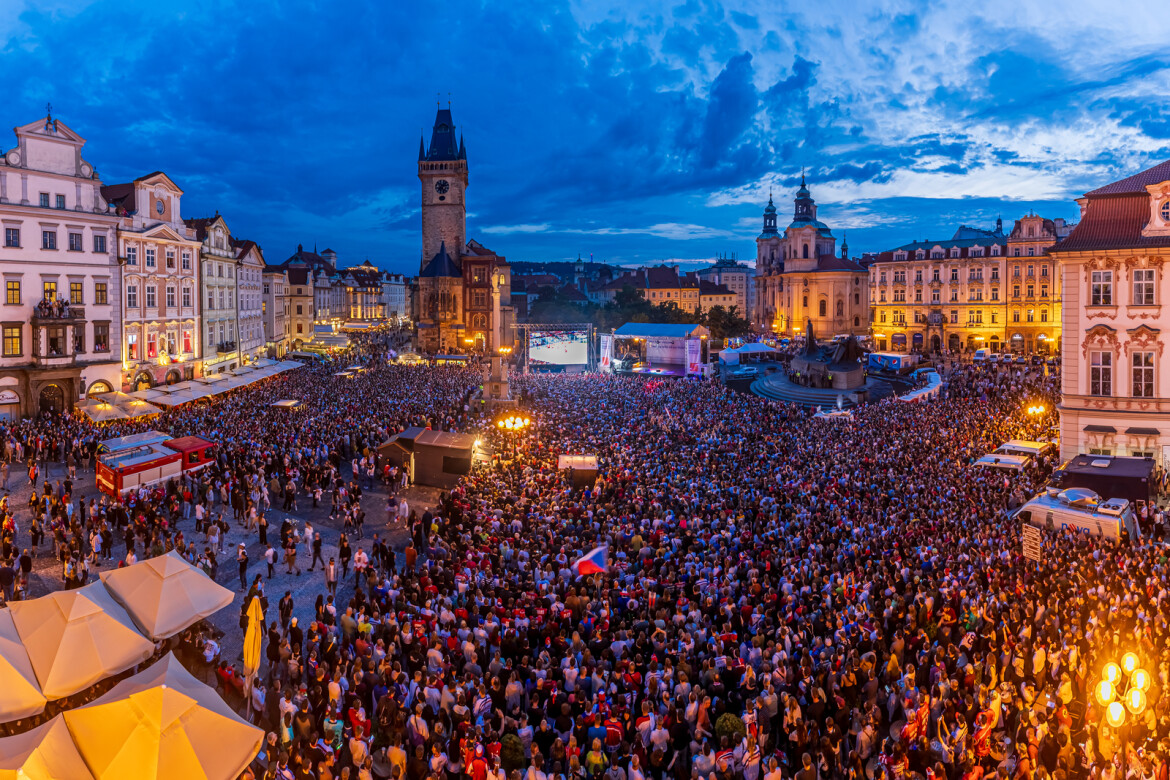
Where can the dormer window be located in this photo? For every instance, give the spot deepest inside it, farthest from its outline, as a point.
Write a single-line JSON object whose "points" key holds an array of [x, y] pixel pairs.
{"points": [[1165, 211]]}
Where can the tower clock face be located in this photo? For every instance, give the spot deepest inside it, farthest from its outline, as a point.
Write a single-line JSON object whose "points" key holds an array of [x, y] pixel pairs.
{"points": [[441, 186]]}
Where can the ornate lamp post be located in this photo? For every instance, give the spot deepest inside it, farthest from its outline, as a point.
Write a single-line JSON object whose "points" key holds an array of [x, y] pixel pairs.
{"points": [[1122, 692], [514, 425]]}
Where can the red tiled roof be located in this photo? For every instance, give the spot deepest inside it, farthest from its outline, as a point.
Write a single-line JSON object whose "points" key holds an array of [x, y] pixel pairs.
{"points": [[660, 277], [121, 196], [1113, 222], [1134, 184]]}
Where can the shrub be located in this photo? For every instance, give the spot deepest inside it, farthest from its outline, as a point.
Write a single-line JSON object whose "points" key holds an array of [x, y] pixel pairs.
{"points": [[731, 726]]}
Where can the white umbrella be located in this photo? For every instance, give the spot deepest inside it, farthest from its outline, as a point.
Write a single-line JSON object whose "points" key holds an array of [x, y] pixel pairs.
{"points": [[44, 753], [22, 694], [166, 594]]}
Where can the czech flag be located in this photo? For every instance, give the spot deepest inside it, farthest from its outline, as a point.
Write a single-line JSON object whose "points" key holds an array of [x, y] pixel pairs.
{"points": [[596, 561]]}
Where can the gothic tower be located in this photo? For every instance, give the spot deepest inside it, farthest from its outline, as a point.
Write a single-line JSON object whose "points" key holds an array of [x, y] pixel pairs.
{"points": [[442, 170]]}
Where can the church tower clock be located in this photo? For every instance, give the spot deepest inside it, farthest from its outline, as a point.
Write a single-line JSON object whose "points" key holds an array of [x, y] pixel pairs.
{"points": [[442, 171]]}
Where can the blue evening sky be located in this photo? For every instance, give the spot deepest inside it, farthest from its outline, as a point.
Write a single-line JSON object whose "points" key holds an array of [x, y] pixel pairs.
{"points": [[634, 131]]}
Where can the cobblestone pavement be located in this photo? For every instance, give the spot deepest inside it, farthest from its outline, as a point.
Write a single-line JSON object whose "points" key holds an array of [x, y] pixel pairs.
{"points": [[47, 572]]}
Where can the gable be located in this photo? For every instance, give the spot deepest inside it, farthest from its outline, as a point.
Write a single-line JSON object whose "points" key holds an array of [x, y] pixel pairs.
{"points": [[165, 232], [60, 132], [158, 178]]}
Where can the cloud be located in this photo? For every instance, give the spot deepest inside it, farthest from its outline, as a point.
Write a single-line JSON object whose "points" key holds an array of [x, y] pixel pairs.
{"points": [[637, 130]]}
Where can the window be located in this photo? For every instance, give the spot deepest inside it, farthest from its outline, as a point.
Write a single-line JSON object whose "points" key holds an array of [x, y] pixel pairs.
{"points": [[934, 277], [994, 318], [1044, 315], [881, 296], [1102, 289], [210, 299], [918, 275], [1031, 315], [1143, 374], [99, 243], [1031, 290], [101, 337], [131, 255], [44, 200], [1100, 373], [1166, 210], [170, 297], [954, 295], [100, 294], [1016, 316], [79, 340], [55, 337], [75, 242], [995, 293], [187, 297], [49, 291], [823, 307], [935, 296], [1015, 291], [11, 236], [1016, 252], [1143, 287], [76, 293], [1044, 270], [151, 299], [48, 239], [132, 296], [60, 201], [132, 345], [995, 273], [1031, 252], [170, 258], [299, 308], [299, 328], [266, 290], [954, 274], [12, 345], [883, 317], [186, 261], [187, 341], [12, 292], [918, 296], [150, 259], [954, 317], [151, 345]]}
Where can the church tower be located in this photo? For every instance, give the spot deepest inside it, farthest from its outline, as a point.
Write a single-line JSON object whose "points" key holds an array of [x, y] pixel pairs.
{"points": [[442, 170]]}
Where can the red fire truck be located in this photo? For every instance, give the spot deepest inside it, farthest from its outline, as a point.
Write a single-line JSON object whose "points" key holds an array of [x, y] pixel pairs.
{"points": [[130, 462]]}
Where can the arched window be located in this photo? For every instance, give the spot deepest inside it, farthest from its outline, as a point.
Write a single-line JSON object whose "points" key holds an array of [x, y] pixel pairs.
{"points": [[856, 299], [856, 321], [806, 251], [823, 308]]}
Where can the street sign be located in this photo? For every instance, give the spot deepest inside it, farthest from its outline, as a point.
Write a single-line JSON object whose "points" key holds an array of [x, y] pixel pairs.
{"points": [[1032, 542]]}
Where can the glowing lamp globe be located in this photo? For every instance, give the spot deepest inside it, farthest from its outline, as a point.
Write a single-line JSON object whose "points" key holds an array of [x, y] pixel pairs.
{"points": [[1135, 700], [1104, 692], [1115, 714], [1112, 672], [1140, 679], [1129, 662]]}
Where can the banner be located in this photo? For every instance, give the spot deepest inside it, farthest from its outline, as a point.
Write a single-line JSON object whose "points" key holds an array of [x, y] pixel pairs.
{"points": [[606, 351], [694, 357]]}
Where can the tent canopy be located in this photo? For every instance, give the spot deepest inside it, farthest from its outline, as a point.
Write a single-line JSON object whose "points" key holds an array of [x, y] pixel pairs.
{"points": [[646, 330], [44, 753], [75, 638], [163, 723], [22, 695], [166, 594]]}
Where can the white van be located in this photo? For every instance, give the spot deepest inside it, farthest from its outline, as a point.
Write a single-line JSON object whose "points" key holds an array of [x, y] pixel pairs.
{"points": [[981, 355], [1003, 462], [1032, 449], [1083, 510]]}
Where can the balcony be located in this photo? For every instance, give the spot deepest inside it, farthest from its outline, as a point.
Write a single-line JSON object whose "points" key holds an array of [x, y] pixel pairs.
{"points": [[54, 361], [225, 348], [57, 313]]}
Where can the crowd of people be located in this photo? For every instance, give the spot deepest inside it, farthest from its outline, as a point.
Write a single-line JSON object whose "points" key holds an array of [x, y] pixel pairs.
{"points": [[784, 597]]}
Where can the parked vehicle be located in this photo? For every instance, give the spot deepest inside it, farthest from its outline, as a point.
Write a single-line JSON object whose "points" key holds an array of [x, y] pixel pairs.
{"points": [[1083, 510]]}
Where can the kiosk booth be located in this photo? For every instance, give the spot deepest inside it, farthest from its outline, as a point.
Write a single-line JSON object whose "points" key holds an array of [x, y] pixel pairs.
{"points": [[433, 458], [582, 469]]}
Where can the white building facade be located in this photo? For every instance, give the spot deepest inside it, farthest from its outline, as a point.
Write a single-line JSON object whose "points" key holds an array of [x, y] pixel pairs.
{"points": [[274, 311], [221, 349], [250, 300], [395, 297], [1115, 320], [59, 315]]}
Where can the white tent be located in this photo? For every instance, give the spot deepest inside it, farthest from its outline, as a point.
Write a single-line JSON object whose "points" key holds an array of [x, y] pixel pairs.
{"points": [[75, 638], [163, 724], [22, 694], [166, 594], [44, 753]]}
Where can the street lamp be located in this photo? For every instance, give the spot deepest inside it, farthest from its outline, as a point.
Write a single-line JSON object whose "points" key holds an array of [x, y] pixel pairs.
{"points": [[513, 425], [1122, 691]]}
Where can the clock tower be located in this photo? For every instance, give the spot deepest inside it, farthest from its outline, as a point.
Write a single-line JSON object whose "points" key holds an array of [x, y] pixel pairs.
{"points": [[442, 170]]}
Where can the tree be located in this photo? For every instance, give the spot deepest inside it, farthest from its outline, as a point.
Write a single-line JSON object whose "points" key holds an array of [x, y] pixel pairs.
{"points": [[726, 323]]}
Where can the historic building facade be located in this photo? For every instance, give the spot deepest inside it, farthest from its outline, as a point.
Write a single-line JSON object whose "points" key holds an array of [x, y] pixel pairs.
{"points": [[59, 316], [218, 291], [249, 299], [160, 277], [800, 278], [463, 298], [979, 289], [736, 277], [274, 311], [1113, 276]]}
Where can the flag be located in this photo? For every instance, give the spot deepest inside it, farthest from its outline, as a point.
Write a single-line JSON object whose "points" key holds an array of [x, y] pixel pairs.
{"points": [[596, 561]]}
